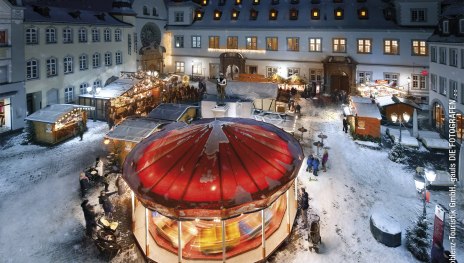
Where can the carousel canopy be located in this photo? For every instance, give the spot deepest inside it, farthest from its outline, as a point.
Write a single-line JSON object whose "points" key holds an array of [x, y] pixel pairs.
{"points": [[213, 168], [53, 113]]}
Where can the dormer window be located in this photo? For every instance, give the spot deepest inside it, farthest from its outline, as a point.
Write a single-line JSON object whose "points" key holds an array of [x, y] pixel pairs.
{"points": [[217, 14], [362, 13], [315, 14], [253, 14], [273, 14], [315, 1], [275, 2], [204, 2], [222, 2], [293, 14], [198, 15], [295, 1], [445, 27], [338, 13], [238, 2], [461, 29], [234, 14], [255, 2], [338, 1]]}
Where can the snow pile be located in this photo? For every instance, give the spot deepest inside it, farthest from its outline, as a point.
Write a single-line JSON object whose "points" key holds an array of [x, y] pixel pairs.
{"points": [[385, 223]]}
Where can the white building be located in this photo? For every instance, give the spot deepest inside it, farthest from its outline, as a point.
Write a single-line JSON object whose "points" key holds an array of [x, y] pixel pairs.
{"points": [[67, 51], [338, 44], [12, 90]]}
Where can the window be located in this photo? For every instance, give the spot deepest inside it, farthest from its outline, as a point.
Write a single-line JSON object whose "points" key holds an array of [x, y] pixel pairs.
{"points": [[179, 41], [462, 58], [154, 11], [461, 26], [293, 44], [3, 38], [338, 13], [96, 60], [118, 57], [217, 14], [433, 82], [315, 44], [255, 2], [271, 71], [418, 81], [213, 42], [315, 14], [419, 48], [252, 43], [391, 47], [442, 85], [462, 94], [32, 69], [364, 77], [453, 57], [273, 14], [198, 14], [50, 35], [145, 10], [453, 89], [315, 75], [275, 2], [339, 45], [364, 46], [362, 13], [83, 62], [129, 44], [232, 42], [67, 35], [238, 2], [180, 67], [196, 41], [69, 94], [391, 77], [82, 35], [108, 59], [135, 43], [252, 69], [51, 67], [196, 69], [293, 71], [95, 35], [32, 36], [433, 54], [446, 26], [68, 65], [107, 35], [442, 55], [234, 14], [293, 14], [272, 43], [83, 88], [253, 14], [178, 16], [117, 35], [97, 83], [418, 15]]}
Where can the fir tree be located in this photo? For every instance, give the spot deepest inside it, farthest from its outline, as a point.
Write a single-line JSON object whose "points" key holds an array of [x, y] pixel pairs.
{"points": [[417, 240], [398, 154]]}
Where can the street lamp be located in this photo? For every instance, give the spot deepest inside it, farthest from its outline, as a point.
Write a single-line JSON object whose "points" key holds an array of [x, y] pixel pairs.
{"points": [[94, 90], [421, 181], [409, 82], [405, 118]]}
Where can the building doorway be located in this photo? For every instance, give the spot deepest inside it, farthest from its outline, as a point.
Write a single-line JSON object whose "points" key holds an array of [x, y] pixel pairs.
{"points": [[232, 63], [339, 74], [5, 114], [34, 102]]}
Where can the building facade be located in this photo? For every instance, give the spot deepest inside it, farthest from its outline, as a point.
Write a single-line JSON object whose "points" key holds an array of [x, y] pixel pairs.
{"points": [[338, 44], [12, 89], [67, 51]]}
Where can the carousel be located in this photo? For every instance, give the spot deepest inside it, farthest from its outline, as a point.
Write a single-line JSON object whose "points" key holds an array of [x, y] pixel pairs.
{"points": [[214, 190]]}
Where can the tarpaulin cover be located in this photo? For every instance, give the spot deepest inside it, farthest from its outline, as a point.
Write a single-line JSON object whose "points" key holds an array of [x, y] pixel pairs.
{"points": [[213, 168]]}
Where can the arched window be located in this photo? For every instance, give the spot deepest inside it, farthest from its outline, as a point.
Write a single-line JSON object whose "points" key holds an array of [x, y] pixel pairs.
{"points": [[145, 10], [155, 12], [69, 94], [52, 65], [68, 64], [32, 69], [50, 35]]}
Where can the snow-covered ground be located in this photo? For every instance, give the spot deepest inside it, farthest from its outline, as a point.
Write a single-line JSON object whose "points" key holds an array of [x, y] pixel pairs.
{"points": [[41, 219]]}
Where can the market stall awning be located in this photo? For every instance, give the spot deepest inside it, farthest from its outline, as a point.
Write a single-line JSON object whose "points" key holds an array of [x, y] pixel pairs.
{"points": [[113, 90], [369, 110], [169, 111], [213, 168], [134, 129], [53, 113], [390, 100]]}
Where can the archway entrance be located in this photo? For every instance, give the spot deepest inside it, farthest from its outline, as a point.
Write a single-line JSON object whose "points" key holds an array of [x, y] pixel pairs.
{"points": [[339, 74], [232, 64]]}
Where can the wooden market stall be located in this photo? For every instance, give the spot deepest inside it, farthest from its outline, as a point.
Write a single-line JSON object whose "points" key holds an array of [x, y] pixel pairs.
{"points": [[57, 122], [364, 117], [394, 104]]}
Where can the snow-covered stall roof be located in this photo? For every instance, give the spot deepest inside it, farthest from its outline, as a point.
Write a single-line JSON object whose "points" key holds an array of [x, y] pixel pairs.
{"points": [[358, 99], [134, 129], [369, 110], [169, 111], [246, 90], [213, 168], [113, 90], [390, 100], [53, 113]]}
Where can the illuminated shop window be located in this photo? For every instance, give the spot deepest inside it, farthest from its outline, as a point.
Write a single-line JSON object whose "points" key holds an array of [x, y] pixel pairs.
{"points": [[438, 117], [315, 14], [217, 15], [273, 14], [338, 13]]}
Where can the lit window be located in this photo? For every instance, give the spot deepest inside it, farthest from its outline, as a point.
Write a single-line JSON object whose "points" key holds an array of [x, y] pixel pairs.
{"points": [[362, 13], [252, 43], [272, 43], [198, 15], [338, 13], [213, 42], [217, 14], [238, 2], [315, 14], [204, 2], [293, 44], [180, 67], [273, 14], [419, 48], [315, 44], [391, 47], [235, 14], [232, 42], [339, 45], [364, 46], [256, 2], [179, 41]]}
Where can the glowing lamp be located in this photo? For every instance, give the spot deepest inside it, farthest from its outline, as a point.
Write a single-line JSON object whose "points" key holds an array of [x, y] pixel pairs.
{"points": [[406, 117], [106, 141]]}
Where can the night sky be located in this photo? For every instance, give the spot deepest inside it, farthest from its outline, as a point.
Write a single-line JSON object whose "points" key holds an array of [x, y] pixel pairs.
{"points": [[78, 4]]}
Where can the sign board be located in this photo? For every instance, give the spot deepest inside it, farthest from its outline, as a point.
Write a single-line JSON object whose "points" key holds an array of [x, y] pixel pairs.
{"points": [[438, 232]]}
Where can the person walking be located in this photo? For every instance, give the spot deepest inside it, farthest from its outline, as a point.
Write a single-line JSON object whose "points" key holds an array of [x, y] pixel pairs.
{"points": [[89, 216], [304, 205], [345, 125], [80, 129], [325, 158], [84, 183], [315, 166], [104, 200], [309, 163]]}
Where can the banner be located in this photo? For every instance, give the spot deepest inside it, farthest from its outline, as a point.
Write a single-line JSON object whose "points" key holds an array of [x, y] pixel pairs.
{"points": [[438, 232]]}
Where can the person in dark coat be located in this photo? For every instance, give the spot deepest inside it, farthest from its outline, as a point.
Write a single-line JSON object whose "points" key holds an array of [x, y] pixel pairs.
{"points": [[89, 216], [315, 166], [304, 205], [84, 183], [80, 129], [345, 125], [325, 158], [104, 200], [309, 162]]}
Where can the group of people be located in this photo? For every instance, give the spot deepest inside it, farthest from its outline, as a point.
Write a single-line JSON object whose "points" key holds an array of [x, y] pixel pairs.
{"points": [[313, 163]]}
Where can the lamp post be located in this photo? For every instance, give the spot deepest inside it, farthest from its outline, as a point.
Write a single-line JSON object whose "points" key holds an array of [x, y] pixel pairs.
{"points": [[421, 181], [94, 90], [405, 118], [409, 82]]}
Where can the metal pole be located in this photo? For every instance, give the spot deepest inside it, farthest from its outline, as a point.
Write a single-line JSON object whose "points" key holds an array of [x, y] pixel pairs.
{"points": [[425, 197], [94, 104], [400, 129], [179, 241]]}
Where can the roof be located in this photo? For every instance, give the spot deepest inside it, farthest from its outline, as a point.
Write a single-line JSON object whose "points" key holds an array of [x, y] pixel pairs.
{"points": [[375, 15], [169, 111], [134, 129], [49, 14], [213, 168], [368, 110], [360, 99], [114, 90], [53, 113], [390, 100]]}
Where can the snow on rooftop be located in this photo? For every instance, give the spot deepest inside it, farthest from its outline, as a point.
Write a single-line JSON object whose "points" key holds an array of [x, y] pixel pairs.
{"points": [[369, 110], [134, 129], [53, 113], [384, 101], [113, 90]]}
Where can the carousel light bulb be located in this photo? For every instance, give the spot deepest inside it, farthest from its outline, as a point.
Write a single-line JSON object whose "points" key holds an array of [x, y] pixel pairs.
{"points": [[106, 141]]}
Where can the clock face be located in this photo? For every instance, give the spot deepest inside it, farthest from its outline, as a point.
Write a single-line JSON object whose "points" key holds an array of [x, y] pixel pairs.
{"points": [[150, 35]]}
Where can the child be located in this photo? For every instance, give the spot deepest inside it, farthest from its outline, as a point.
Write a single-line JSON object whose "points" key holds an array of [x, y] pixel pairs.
{"points": [[325, 158]]}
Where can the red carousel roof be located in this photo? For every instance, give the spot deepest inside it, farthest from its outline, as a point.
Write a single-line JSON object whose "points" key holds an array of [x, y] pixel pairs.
{"points": [[213, 168]]}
